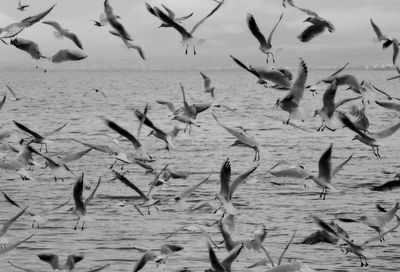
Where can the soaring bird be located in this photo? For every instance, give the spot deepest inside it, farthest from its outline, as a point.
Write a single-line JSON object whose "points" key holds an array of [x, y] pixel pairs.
{"points": [[80, 205], [15, 28], [265, 45], [187, 37], [207, 85], [28, 46], [63, 32], [291, 102], [171, 14], [112, 19]]}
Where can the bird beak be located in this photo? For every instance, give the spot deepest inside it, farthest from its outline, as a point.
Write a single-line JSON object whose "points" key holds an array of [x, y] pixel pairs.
{"points": [[315, 113], [149, 134]]}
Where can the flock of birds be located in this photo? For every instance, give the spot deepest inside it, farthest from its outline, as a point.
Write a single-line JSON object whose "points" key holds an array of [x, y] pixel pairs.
{"points": [[26, 157]]}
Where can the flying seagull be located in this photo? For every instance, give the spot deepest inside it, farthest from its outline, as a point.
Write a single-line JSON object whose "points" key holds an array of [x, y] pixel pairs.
{"points": [[171, 14], [62, 32]]}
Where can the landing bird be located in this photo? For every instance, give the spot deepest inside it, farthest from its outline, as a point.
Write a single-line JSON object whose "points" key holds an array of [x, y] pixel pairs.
{"points": [[265, 45], [21, 7], [149, 255], [242, 139], [112, 19], [227, 188], [28, 46], [15, 28], [372, 138], [263, 75], [167, 137], [80, 205], [207, 85], [187, 37], [63, 32], [67, 55], [171, 14], [7, 225], [54, 262], [291, 102], [325, 173]]}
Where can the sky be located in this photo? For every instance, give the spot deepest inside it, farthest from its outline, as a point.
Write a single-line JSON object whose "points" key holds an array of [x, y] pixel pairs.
{"points": [[225, 32]]}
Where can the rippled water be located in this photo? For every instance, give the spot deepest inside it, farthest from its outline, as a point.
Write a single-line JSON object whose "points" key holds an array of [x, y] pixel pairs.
{"points": [[49, 100]]}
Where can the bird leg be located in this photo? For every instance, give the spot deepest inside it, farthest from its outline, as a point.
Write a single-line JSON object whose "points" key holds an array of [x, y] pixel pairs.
{"points": [[83, 225], [77, 221], [287, 122], [194, 51], [186, 49], [331, 129], [321, 127], [112, 165]]}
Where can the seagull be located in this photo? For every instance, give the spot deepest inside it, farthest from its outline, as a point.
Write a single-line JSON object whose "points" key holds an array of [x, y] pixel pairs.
{"points": [[228, 188], [14, 95], [15, 28], [291, 102], [7, 225], [96, 91], [242, 139], [112, 19], [387, 186], [360, 120], [207, 85], [169, 105], [187, 37], [167, 137], [380, 37], [186, 120], [67, 55], [193, 110], [149, 255], [325, 173], [21, 7], [323, 236], [54, 261], [80, 205], [171, 15], [372, 138], [63, 32], [329, 105], [130, 45], [386, 41], [280, 80], [28, 46], [265, 46], [351, 246], [38, 217], [37, 138], [389, 97], [226, 263], [10, 247]]}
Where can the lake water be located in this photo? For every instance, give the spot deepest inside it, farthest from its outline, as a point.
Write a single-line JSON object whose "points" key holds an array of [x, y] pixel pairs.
{"points": [[50, 99]]}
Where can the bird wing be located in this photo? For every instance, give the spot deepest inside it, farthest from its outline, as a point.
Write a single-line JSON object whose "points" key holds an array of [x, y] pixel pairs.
{"points": [[168, 249], [208, 15], [11, 91], [166, 19], [207, 81], [77, 193], [325, 165], [55, 130], [91, 196], [389, 105], [346, 122], [55, 208], [328, 99], [128, 183], [395, 50], [190, 190], [16, 244], [75, 156], [72, 260], [225, 178], [345, 100], [251, 23], [297, 88], [379, 237], [54, 24], [386, 132], [240, 179], [150, 9], [378, 32], [66, 55], [21, 268], [215, 264], [169, 105], [101, 148], [201, 107], [286, 248], [11, 221], [238, 62], [140, 116], [123, 132], [340, 166], [10, 200], [51, 259], [114, 22], [73, 37], [27, 130], [2, 101], [231, 257], [387, 186], [311, 31], [137, 47], [273, 30], [171, 14], [180, 19], [188, 110], [99, 268], [149, 255], [319, 236]]}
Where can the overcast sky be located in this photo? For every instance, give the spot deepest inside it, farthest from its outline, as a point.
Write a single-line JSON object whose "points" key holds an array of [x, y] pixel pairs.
{"points": [[225, 33]]}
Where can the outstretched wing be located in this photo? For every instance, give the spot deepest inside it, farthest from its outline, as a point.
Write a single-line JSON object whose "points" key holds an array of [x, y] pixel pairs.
{"points": [[251, 23], [273, 30], [208, 15]]}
